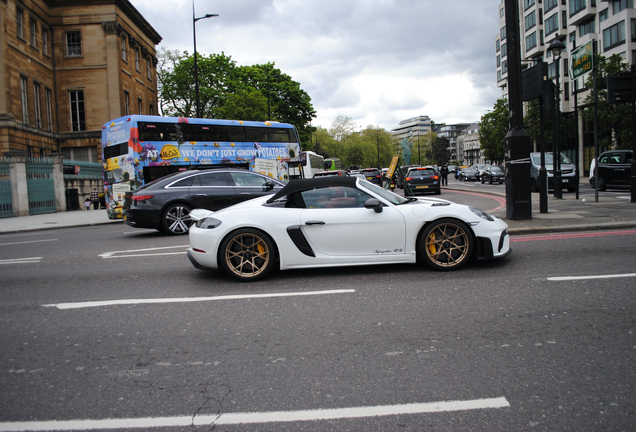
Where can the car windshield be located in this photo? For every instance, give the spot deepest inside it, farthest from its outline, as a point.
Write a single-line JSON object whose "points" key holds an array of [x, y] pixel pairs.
{"points": [[536, 158], [393, 198], [469, 170], [496, 169]]}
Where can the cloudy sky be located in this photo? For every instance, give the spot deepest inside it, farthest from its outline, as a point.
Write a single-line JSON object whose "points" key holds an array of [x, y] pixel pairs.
{"points": [[375, 61]]}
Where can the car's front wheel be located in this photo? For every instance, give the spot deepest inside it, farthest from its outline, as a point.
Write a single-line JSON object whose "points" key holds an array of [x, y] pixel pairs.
{"points": [[176, 219], [247, 254], [446, 244]]}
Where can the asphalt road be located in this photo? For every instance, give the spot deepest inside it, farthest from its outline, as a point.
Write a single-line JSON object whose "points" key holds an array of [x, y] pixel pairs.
{"points": [[524, 350]]}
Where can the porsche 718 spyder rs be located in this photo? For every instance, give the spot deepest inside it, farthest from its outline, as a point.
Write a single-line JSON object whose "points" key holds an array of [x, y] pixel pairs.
{"points": [[341, 221]]}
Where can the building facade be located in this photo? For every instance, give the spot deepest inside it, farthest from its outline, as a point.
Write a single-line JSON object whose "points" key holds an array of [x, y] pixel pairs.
{"points": [[413, 127], [452, 133], [468, 141], [66, 68], [610, 25]]}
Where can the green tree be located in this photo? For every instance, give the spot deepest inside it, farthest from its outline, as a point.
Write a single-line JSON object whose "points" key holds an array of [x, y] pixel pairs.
{"points": [[439, 150], [493, 129], [614, 121]]}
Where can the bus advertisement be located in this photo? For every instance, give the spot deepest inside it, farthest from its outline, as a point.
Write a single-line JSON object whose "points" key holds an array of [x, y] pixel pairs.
{"points": [[138, 149]]}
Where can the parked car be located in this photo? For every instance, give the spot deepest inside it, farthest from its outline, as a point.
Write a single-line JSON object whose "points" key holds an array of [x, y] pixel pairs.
{"points": [[404, 169], [615, 168], [492, 174], [568, 172], [373, 175], [342, 221], [468, 174], [423, 179], [341, 173], [165, 203]]}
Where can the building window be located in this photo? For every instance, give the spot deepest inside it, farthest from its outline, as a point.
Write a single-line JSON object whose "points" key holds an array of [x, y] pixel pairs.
{"points": [[137, 60], [504, 50], [531, 41], [73, 44], [498, 61], [504, 67], [126, 103], [551, 4], [33, 26], [45, 41], [576, 6], [37, 102], [49, 109], [78, 117], [531, 20], [501, 12], [502, 33], [151, 109], [552, 24], [614, 36], [19, 18], [552, 70], [139, 106], [25, 107], [587, 27], [564, 20], [602, 15], [148, 70], [124, 53], [528, 4], [619, 5]]}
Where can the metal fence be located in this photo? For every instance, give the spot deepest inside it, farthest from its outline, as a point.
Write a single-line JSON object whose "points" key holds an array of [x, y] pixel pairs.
{"points": [[41, 185], [83, 170], [6, 196]]}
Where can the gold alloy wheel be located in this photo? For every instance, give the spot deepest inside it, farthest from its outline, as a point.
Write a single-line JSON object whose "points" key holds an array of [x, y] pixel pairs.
{"points": [[447, 245], [247, 255]]}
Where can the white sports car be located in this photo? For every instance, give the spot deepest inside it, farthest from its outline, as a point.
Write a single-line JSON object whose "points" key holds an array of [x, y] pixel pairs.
{"points": [[341, 221]]}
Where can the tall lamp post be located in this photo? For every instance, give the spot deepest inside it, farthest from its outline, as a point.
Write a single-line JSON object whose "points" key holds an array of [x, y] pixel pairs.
{"points": [[196, 68], [556, 47]]}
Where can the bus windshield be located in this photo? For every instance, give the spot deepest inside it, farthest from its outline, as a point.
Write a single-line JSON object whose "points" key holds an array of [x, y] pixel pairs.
{"points": [[138, 149]]}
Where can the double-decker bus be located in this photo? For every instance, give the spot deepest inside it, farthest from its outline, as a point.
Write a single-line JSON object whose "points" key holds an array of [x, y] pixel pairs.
{"points": [[311, 163], [137, 149]]}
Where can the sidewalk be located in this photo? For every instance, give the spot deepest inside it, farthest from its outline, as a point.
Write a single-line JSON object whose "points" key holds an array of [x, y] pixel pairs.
{"points": [[612, 212]]}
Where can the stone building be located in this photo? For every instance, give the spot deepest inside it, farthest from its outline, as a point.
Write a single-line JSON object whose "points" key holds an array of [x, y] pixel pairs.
{"points": [[66, 68]]}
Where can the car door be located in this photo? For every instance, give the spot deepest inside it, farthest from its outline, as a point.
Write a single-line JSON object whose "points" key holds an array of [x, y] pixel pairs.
{"points": [[211, 191], [624, 169], [340, 225], [248, 185]]}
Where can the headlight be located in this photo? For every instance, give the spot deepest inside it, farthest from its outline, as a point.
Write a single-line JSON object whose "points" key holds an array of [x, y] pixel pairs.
{"points": [[208, 223], [482, 214]]}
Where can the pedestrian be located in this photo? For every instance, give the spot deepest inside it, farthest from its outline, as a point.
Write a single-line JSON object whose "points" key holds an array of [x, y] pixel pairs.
{"points": [[95, 199], [444, 175], [87, 203]]}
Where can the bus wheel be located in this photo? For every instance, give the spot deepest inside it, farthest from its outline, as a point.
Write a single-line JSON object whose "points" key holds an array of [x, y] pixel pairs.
{"points": [[247, 255], [176, 219]]}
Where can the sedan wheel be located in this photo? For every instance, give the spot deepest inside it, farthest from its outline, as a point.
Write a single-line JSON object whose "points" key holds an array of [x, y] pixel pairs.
{"points": [[176, 219], [247, 255], [446, 244]]}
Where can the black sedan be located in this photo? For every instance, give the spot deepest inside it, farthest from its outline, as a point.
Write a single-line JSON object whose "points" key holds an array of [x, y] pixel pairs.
{"points": [[492, 174], [165, 204], [373, 175], [423, 179], [467, 174]]}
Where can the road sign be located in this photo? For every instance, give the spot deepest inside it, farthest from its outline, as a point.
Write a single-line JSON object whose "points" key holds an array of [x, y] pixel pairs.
{"points": [[582, 60]]}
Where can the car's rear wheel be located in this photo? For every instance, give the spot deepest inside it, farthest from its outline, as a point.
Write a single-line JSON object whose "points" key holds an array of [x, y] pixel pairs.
{"points": [[601, 184], [176, 219], [446, 244], [247, 254]]}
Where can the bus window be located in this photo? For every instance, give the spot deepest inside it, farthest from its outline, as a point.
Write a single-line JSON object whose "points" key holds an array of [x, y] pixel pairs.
{"points": [[279, 135], [116, 150], [232, 134], [204, 133], [256, 134]]}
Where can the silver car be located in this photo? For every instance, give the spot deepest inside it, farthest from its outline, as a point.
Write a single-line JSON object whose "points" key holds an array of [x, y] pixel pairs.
{"points": [[568, 171]]}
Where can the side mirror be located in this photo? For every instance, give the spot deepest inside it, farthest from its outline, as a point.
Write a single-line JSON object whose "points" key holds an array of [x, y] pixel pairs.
{"points": [[374, 204]]}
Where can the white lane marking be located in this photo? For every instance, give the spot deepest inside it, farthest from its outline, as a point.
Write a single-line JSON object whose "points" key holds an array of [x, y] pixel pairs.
{"points": [[133, 251], [25, 242], [21, 260], [144, 255], [80, 305], [570, 278], [256, 417]]}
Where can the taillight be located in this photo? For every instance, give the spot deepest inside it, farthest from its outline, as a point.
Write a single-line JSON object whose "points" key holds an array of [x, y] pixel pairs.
{"points": [[141, 197], [408, 178], [436, 177]]}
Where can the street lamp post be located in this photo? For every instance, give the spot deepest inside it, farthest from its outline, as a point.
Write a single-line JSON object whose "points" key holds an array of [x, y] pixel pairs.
{"points": [[196, 68], [556, 47]]}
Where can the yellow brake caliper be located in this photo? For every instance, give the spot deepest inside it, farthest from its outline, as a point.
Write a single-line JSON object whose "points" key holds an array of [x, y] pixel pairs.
{"points": [[431, 245]]}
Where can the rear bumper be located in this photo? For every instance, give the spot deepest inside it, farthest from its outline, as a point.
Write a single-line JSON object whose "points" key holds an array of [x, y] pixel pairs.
{"points": [[142, 219]]}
